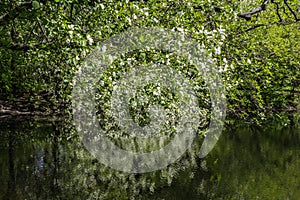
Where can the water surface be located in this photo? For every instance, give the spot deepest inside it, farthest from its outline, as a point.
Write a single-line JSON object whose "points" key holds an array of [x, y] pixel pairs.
{"points": [[46, 160]]}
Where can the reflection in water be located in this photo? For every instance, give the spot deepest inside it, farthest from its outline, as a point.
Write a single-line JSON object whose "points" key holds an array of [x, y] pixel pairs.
{"points": [[46, 160]]}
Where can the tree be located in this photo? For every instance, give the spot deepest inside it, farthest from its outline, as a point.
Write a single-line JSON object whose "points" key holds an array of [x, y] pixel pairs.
{"points": [[44, 42]]}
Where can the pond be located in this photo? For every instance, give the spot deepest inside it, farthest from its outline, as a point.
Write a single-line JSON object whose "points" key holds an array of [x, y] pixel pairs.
{"points": [[46, 160]]}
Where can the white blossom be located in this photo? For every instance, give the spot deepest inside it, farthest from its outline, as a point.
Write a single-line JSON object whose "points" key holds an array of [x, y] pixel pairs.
{"points": [[134, 16], [71, 26], [218, 50], [180, 29], [90, 39]]}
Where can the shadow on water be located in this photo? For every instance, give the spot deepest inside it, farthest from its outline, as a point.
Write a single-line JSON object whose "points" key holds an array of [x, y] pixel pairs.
{"points": [[46, 160]]}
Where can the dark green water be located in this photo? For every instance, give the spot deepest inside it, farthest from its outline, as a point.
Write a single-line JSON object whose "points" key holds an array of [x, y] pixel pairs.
{"points": [[46, 160]]}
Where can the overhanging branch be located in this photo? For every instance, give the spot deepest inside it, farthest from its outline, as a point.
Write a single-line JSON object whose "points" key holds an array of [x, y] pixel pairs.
{"points": [[254, 27], [277, 11], [248, 15], [25, 47], [291, 10]]}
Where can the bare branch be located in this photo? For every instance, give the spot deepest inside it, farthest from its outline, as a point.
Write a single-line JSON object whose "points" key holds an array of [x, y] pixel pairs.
{"points": [[4, 15], [25, 47], [26, 3], [277, 11], [291, 10], [248, 15]]}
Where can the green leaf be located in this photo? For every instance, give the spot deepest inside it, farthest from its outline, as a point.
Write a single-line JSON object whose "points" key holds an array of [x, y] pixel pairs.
{"points": [[36, 4]]}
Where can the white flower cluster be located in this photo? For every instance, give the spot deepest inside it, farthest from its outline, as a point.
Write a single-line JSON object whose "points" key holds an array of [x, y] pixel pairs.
{"points": [[90, 39]]}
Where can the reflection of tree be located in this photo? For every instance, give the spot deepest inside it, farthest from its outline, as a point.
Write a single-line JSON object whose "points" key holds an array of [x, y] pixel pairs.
{"points": [[55, 156], [26, 175], [11, 190], [84, 177], [50, 162], [68, 171], [256, 164]]}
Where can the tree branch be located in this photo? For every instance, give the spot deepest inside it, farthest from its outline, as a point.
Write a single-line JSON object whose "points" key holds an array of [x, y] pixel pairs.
{"points": [[25, 47], [254, 27], [277, 11], [291, 10], [248, 15], [43, 31], [6, 15]]}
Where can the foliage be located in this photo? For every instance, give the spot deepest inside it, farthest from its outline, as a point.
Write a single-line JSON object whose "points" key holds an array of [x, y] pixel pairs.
{"points": [[43, 43]]}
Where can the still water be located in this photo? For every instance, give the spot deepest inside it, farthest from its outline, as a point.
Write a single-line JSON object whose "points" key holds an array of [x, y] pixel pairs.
{"points": [[46, 160]]}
